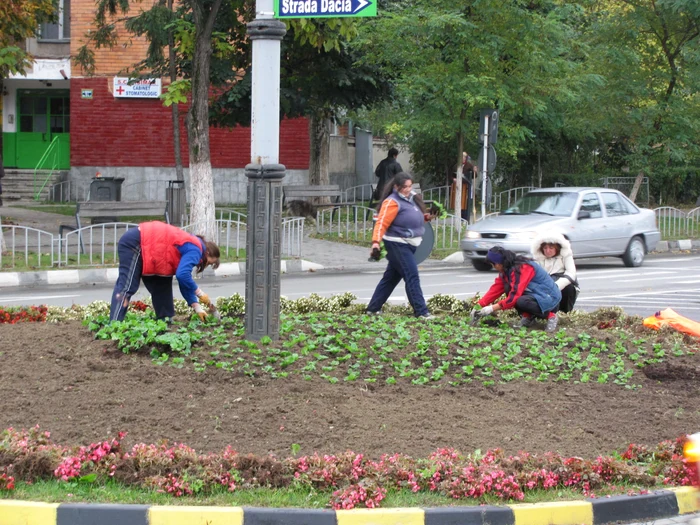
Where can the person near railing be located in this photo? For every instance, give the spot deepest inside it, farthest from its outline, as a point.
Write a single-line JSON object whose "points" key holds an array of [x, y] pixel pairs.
{"points": [[552, 251], [469, 172], [527, 287], [400, 224], [154, 253], [385, 171]]}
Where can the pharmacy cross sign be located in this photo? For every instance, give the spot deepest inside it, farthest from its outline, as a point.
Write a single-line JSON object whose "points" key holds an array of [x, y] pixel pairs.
{"points": [[324, 8]]}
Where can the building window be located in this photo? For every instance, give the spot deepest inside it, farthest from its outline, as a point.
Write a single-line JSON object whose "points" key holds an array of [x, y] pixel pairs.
{"points": [[58, 31]]}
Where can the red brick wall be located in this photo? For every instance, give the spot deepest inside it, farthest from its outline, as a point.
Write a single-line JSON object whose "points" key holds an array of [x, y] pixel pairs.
{"points": [[108, 131]]}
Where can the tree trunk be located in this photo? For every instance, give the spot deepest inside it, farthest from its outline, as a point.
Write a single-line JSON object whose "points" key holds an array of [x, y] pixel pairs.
{"points": [[319, 154], [637, 185], [458, 184], [201, 180]]}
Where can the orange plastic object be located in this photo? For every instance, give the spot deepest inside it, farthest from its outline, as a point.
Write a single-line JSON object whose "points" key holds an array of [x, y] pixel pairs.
{"points": [[668, 317]]}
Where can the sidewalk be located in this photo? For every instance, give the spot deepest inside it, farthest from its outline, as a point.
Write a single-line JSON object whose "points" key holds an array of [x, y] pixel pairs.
{"points": [[317, 256]]}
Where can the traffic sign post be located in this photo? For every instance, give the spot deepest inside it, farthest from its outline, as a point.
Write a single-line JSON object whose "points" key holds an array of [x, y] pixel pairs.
{"points": [[488, 134], [324, 8]]}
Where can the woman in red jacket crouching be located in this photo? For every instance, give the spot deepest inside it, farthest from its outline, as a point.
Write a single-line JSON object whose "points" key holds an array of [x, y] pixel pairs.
{"points": [[155, 252]]}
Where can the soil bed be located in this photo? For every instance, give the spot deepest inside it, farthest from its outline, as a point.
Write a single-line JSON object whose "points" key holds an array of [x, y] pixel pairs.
{"points": [[81, 389]]}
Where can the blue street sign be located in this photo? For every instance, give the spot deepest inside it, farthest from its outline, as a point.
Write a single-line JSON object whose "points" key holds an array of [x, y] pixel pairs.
{"points": [[324, 8]]}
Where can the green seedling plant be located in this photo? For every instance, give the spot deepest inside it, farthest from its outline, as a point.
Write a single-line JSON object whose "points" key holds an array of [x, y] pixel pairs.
{"points": [[332, 339]]}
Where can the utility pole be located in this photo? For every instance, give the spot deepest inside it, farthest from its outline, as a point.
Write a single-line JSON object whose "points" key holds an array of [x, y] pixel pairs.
{"points": [[265, 174], [485, 165]]}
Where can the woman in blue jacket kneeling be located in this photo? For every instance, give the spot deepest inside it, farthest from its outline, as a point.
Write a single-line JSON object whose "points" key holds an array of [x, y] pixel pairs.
{"points": [[527, 286]]}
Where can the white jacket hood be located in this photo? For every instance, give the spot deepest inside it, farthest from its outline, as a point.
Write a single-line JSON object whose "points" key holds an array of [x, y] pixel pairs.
{"points": [[557, 238]]}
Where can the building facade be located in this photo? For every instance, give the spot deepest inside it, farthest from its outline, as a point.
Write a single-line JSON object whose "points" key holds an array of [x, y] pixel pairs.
{"points": [[55, 115]]}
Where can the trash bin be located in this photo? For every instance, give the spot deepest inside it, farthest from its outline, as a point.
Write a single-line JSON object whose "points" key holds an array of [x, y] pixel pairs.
{"points": [[106, 189], [177, 202]]}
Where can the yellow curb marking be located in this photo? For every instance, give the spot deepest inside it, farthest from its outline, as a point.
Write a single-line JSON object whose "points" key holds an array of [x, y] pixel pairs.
{"points": [[381, 517], [14, 512], [195, 516], [688, 499], [561, 513]]}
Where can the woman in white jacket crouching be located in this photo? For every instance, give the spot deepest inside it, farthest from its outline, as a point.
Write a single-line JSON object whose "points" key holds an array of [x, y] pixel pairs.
{"points": [[553, 253]]}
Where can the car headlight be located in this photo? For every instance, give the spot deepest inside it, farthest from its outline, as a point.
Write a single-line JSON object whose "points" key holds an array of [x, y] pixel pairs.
{"points": [[523, 236], [472, 235]]}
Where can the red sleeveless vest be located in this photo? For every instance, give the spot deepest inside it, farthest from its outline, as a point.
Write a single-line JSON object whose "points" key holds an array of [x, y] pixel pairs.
{"points": [[159, 242]]}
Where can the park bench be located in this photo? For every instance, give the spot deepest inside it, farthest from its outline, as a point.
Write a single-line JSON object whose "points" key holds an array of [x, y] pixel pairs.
{"points": [[92, 209], [304, 192]]}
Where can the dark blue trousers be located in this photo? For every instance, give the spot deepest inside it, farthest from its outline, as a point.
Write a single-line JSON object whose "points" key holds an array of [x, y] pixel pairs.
{"points": [[130, 276], [402, 265]]}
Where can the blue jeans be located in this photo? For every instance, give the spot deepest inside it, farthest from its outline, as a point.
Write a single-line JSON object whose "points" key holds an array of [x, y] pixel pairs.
{"points": [[130, 270], [402, 265]]}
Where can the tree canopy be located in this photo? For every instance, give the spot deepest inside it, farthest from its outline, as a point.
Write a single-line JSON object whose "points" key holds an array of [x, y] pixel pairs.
{"points": [[584, 89]]}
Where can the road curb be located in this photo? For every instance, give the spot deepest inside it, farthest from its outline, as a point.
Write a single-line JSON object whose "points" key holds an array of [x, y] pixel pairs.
{"points": [[655, 505]]}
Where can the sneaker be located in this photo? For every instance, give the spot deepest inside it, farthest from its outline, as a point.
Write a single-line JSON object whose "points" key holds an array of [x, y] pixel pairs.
{"points": [[552, 323], [426, 316], [368, 312], [527, 322]]}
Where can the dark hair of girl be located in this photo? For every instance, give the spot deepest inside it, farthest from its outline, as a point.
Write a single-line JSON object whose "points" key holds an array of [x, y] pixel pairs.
{"points": [[510, 259], [210, 250]]}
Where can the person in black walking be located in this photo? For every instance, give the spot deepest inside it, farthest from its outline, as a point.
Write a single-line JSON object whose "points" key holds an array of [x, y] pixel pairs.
{"points": [[385, 171]]}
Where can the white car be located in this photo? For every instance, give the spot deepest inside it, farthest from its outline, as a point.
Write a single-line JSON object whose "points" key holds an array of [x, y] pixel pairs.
{"points": [[599, 222]]}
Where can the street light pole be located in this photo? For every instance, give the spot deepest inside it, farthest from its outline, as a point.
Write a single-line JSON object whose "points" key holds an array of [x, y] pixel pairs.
{"points": [[265, 174], [485, 166]]}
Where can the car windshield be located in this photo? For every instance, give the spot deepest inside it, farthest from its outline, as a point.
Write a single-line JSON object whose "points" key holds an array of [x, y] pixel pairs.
{"points": [[556, 203]]}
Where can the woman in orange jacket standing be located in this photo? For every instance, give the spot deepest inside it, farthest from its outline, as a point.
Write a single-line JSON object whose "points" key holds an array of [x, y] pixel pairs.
{"points": [[155, 252], [400, 224]]}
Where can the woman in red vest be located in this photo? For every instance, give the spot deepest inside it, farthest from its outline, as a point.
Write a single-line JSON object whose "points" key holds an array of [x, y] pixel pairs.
{"points": [[155, 252]]}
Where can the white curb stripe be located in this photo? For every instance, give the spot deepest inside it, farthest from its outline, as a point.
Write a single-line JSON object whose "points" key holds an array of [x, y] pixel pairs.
{"points": [[228, 269], [308, 265], [63, 276], [9, 279]]}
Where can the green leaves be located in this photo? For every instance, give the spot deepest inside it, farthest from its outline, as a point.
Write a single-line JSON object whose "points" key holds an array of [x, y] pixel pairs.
{"points": [[393, 349]]}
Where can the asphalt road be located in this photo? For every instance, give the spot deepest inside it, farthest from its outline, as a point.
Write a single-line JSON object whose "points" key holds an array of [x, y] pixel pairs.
{"points": [[663, 281]]}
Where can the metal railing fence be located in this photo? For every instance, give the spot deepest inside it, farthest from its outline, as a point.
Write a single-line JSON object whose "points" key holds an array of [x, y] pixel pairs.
{"points": [[69, 191], [505, 199], [439, 194], [35, 248], [362, 193], [350, 222], [675, 223], [96, 244], [356, 223], [93, 245]]}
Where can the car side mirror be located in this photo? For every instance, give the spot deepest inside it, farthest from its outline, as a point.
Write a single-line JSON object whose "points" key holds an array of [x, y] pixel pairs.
{"points": [[583, 214]]}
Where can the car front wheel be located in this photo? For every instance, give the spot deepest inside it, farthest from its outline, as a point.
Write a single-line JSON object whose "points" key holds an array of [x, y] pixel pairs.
{"points": [[481, 265], [634, 255]]}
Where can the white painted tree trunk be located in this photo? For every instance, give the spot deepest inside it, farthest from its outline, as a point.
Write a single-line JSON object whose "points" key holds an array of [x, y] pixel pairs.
{"points": [[202, 213]]}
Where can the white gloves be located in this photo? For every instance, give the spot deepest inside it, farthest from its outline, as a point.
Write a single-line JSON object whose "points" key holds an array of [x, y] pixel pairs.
{"points": [[475, 314], [199, 311]]}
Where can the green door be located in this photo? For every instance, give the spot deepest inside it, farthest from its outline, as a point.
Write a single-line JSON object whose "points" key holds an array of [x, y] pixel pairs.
{"points": [[44, 115]]}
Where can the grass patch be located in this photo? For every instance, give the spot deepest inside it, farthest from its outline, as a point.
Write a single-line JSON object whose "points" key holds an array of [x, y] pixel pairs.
{"points": [[293, 497]]}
